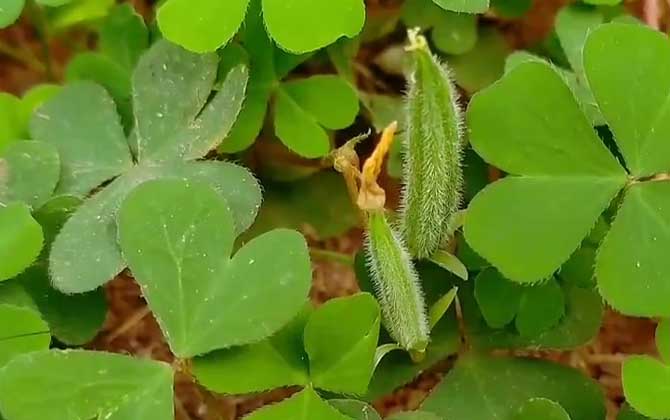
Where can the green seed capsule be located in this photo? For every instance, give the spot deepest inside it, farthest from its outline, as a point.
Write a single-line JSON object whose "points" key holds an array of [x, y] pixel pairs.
{"points": [[397, 285], [432, 148]]}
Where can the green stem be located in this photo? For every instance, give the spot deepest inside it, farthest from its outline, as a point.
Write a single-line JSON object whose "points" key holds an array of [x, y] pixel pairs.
{"points": [[334, 256], [22, 56]]}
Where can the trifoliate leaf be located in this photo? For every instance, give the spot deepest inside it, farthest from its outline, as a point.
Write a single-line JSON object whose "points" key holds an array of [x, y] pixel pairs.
{"points": [[581, 322], [177, 237], [305, 107], [85, 254], [633, 99], [631, 268], [663, 340], [21, 239], [10, 10], [341, 340], [356, 410], [93, 149], [645, 385], [84, 385], [29, 172], [33, 99], [464, 6], [558, 196], [498, 298], [73, 319], [174, 119], [22, 331], [541, 307], [541, 408], [275, 362], [305, 405], [489, 388]]}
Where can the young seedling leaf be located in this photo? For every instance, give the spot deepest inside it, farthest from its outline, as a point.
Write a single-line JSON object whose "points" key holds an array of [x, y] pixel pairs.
{"points": [[72, 319], [631, 268], [22, 331], [487, 388], [29, 172], [85, 385], [633, 99], [21, 239], [541, 408], [175, 121], [356, 410], [558, 196], [177, 237], [305, 107], [663, 340], [440, 308], [541, 307], [645, 385], [93, 149], [85, 254], [341, 340], [497, 297], [305, 405], [273, 363], [464, 6]]}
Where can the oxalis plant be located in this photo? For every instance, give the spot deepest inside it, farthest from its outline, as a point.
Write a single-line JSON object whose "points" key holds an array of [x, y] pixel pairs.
{"points": [[135, 166]]}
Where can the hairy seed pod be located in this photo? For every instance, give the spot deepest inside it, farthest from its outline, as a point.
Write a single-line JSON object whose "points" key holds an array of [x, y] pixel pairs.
{"points": [[432, 149], [396, 285]]}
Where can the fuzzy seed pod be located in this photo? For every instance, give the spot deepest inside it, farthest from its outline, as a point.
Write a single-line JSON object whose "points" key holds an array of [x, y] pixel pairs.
{"points": [[396, 285], [432, 149]]}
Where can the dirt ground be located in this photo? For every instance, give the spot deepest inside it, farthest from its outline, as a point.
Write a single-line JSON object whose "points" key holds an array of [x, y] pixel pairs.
{"points": [[131, 329]]}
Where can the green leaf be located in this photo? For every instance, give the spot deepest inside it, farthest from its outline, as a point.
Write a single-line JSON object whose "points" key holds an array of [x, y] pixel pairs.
{"points": [[541, 307], [414, 415], [341, 340], [29, 172], [85, 385], [645, 385], [483, 64], [85, 254], [11, 127], [567, 179], [321, 22], [305, 405], [663, 340], [74, 12], [455, 33], [320, 201], [356, 410], [174, 119], [634, 278], [464, 6], [488, 388], [124, 36], [22, 331], [634, 100], [541, 408], [582, 321], [73, 319], [511, 8], [497, 297], [249, 123], [627, 413], [33, 99], [302, 112], [52, 216], [21, 239], [573, 25], [603, 2], [440, 308], [81, 121], [273, 363], [10, 12], [177, 238]]}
